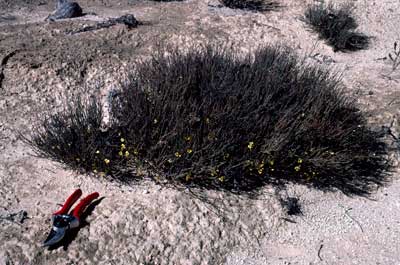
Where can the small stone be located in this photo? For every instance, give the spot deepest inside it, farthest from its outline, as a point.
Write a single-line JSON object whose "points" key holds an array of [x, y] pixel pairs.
{"points": [[22, 216], [128, 20], [66, 9]]}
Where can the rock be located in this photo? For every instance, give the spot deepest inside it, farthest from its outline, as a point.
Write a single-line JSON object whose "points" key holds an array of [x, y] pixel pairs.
{"points": [[128, 20], [65, 10], [22, 215], [60, 3]]}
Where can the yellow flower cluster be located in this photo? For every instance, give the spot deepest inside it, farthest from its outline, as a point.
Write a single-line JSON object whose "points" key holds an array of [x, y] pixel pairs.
{"points": [[123, 151], [310, 176], [260, 167], [298, 167], [250, 145], [215, 173], [189, 150]]}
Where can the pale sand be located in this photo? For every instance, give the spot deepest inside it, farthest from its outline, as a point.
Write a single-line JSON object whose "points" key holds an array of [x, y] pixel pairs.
{"points": [[148, 223]]}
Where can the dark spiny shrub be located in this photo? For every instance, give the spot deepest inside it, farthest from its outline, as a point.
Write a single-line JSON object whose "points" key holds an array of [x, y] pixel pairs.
{"points": [[252, 5], [75, 137], [209, 119], [291, 205], [337, 26]]}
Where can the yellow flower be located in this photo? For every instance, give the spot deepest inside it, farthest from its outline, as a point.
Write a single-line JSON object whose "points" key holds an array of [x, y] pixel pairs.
{"points": [[297, 168], [207, 120], [95, 170], [123, 146], [78, 159], [120, 153], [155, 121], [222, 178], [177, 154], [271, 162], [97, 152], [187, 177], [299, 160], [107, 161], [122, 140], [260, 170], [189, 151], [169, 160], [126, 153], [135, 152], [250, 145], [331, 153], [249, 163], [188, 138]]}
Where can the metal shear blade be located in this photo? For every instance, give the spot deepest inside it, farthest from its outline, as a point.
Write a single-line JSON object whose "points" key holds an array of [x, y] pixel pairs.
{"points": [[54, 237]]}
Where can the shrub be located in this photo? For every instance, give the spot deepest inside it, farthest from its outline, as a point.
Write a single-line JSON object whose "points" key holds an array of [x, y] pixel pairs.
{"points": [[252, 5], [291, 205], [75, 137], [336, 25], [209, 119]]}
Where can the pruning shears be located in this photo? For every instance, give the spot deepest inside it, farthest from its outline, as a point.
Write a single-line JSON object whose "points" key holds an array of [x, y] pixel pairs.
{"points": [[64, 221]]}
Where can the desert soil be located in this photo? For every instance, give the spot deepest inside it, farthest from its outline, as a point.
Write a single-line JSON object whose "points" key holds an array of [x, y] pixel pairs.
{"points": [[145, 223]]}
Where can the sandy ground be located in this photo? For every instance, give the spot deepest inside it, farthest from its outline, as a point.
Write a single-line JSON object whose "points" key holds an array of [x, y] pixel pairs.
{"points": [[149, 224]]}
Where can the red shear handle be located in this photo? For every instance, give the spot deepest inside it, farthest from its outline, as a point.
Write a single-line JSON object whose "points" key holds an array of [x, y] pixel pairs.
{"points": [[84, 203], [69, 202]]}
